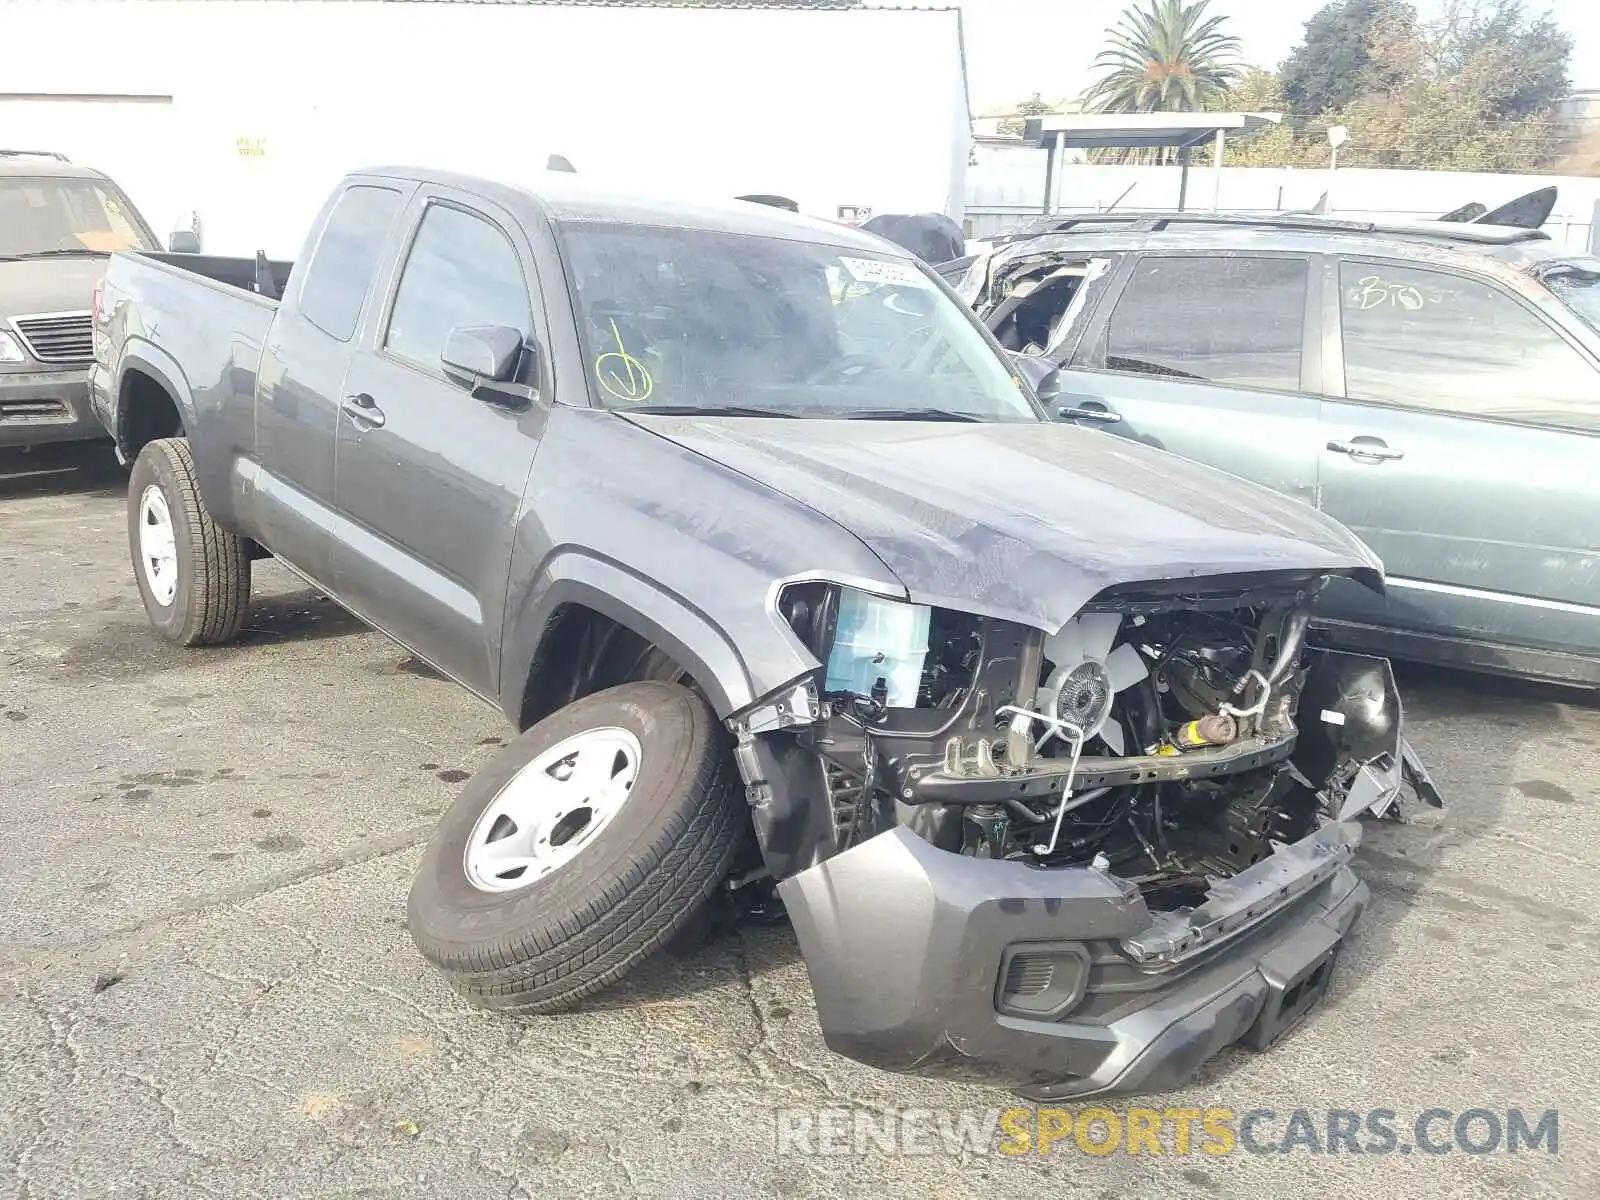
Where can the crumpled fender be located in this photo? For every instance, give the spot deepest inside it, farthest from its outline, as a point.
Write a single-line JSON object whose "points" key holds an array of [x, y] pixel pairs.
{"points": [[1352, 748]]}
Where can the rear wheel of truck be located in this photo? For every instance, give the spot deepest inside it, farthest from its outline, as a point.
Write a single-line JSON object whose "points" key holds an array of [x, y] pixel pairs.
{"points": [[194, 576], [589, 843]]}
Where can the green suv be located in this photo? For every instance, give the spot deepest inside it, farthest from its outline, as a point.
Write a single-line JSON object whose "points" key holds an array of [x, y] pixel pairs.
{"points": [[1433, 385]]}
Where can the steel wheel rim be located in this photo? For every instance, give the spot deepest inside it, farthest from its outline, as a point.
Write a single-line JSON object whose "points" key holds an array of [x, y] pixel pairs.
{"points": [[552, 809], [158, 545]]}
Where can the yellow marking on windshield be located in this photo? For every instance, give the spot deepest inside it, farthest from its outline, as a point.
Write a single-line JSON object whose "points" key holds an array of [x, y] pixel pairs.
{"points": [[625, 377]]}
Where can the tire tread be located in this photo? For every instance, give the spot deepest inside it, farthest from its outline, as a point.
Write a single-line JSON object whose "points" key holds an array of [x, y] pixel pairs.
{"points": [[217, 578], [550, 967]]}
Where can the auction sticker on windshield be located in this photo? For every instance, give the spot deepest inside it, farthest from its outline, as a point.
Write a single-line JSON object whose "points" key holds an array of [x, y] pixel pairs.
{"points": [[874, 270]]}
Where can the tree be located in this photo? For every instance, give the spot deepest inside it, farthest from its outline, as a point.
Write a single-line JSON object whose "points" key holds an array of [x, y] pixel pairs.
{"points": [[1529, 53], [1168, 57], [1473, 90], [1034, 106], [1276, 146], [1334, 64]]}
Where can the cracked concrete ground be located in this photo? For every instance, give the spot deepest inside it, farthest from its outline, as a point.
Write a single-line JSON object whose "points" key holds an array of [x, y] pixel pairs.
{"points": [[206, 988]]}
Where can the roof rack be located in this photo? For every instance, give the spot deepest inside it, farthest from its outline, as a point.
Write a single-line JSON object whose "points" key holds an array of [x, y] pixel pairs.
{"points": [[35, 154], [1156, 222]]}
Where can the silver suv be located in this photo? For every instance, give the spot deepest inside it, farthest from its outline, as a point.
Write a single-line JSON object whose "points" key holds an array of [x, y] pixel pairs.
{"points": [[58, 224]]}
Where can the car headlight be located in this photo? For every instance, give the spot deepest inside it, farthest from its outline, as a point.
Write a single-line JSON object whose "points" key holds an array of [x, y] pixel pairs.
{"points": [[879, 646], [872, 646], [11, 349]]}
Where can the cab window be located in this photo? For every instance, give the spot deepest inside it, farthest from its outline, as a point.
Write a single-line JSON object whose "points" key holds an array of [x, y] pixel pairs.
{"points": [[1233, 320], [346, 258], [461, 271], [1432, 340]]}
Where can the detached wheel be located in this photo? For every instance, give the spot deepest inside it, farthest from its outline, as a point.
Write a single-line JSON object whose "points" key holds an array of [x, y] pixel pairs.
{"points": [[589, 843], [194, 576]]}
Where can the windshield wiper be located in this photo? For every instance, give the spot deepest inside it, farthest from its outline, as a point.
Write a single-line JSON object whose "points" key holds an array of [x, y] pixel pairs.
{"points": [[52, 254], [706, 410], [906, 414]]}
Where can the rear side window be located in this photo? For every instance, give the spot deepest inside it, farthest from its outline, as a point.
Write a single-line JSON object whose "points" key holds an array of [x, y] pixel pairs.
{"points": [[1430, 340], [346, 258], [1235, 320], [461, 271]]}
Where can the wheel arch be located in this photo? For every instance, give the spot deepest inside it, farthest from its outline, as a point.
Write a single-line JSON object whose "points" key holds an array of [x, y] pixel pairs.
{"points": [[146, 377], [579, 598]]}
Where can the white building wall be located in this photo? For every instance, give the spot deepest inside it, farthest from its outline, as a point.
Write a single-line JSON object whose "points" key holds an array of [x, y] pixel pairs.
{"points": [[857, 107]]}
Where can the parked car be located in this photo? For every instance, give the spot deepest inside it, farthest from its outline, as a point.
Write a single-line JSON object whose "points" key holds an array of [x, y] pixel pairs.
{"points": [[1434, 386], [58, 222], [746, 523]]}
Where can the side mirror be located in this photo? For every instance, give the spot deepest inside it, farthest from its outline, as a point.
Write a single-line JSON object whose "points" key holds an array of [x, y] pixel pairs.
{"points": [[485, 359], [1043, 376], [185, 236]]}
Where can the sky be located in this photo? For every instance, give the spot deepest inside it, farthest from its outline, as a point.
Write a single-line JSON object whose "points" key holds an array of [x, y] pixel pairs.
{"points": [[1018, 47]]}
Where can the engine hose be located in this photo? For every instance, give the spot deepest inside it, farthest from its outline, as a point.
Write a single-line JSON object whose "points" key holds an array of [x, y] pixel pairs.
{"points": [[1294, 634]]}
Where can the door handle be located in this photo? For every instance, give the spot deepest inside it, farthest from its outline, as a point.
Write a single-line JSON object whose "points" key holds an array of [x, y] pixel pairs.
{"points": [[1103, 416], [1367, 449], [364, 411], [1074, 408]]}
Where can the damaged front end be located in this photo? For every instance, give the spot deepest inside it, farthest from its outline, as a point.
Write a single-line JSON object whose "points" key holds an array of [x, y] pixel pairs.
{"points": [[1076, 864]]}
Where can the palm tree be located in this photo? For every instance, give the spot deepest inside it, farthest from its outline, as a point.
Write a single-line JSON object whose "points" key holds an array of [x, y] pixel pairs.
{"points": [[1167, 57]]}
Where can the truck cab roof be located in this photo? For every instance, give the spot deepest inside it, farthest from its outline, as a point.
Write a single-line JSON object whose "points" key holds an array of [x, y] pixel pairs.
{"points": [[563, 198]]}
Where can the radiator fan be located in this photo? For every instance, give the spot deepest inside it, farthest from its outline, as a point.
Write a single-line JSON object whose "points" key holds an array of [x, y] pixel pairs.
{"points": [[1087, 674]]}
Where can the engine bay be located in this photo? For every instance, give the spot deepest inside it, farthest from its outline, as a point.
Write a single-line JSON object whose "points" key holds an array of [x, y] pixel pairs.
{"points": [[1157, 736]]}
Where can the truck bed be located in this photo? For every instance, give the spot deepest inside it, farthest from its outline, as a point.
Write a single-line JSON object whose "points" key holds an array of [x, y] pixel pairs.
{"points": [[193, 326], [260, 276]]}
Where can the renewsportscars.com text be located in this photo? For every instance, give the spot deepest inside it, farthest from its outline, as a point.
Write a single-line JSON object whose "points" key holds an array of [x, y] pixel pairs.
{"points": [[1103, 1131]]}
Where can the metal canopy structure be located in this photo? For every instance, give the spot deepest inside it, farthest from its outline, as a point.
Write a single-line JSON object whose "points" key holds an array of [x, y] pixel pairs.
{"points": [[1180, 131]]}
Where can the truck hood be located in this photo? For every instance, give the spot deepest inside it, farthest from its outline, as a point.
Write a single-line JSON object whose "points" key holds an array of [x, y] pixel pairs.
{"points": [[1022, 522], [49, 285]]}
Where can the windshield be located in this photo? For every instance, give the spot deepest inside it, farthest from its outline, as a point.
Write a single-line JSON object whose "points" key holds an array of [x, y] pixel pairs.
{"points": [[679, 319], [44, 216], [1577, 285]]}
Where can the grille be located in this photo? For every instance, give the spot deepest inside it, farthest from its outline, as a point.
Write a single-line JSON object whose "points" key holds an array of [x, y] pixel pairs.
{"points": [[58, 337], [32, 410]]}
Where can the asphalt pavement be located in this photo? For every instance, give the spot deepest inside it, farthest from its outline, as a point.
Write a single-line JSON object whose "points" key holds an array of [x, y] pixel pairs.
{"points": [[207, 989]]}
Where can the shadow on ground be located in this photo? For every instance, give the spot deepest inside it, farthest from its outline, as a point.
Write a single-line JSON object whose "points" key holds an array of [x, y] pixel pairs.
{"points": [[700, 964], [305, 615], [77, 468]]}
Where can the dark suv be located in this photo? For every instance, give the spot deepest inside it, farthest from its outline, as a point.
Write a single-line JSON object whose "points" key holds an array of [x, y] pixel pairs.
{"points": [[1435, 386], [58, 223]]}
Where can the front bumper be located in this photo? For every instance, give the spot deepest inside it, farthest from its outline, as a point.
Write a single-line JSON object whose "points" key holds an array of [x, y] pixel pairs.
{"points": [[39, 407], [907, 945]]}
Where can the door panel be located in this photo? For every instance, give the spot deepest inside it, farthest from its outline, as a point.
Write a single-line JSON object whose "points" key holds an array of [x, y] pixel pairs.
{"points": [[1212, 358], [296, 409], [1486, 522], [430, 480]]}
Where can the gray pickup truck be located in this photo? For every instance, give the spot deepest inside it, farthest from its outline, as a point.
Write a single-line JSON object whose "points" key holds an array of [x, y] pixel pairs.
{"points": [[795, 593]]}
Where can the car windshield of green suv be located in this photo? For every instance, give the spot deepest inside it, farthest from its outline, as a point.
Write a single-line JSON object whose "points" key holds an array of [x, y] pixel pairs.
{"points": [[1577, 285], [681, 320], [44, 217]]}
